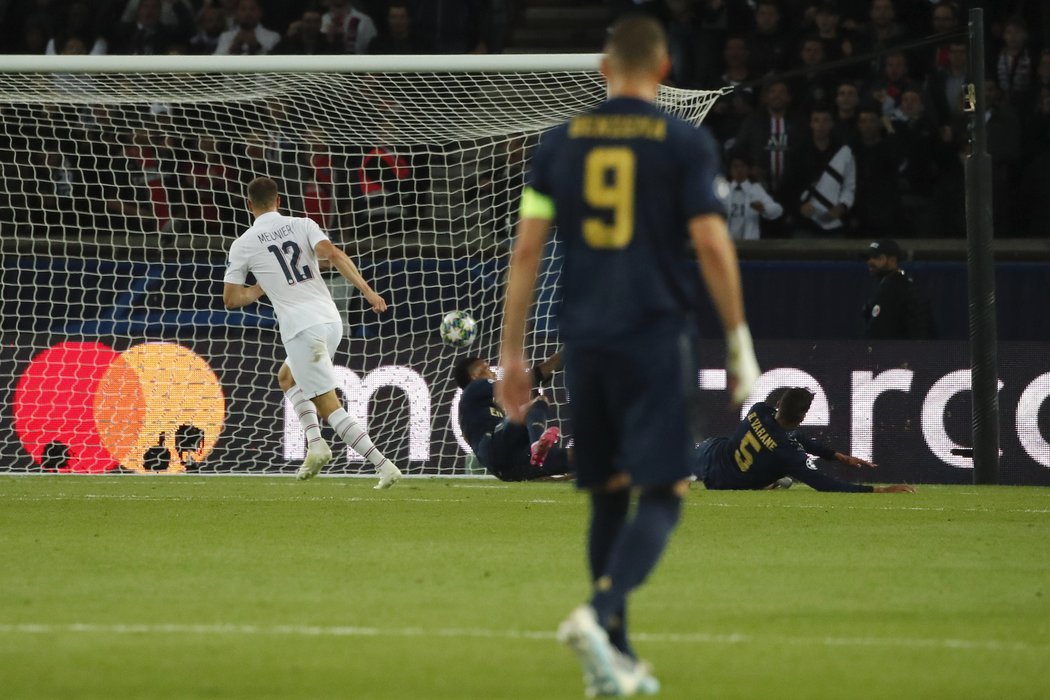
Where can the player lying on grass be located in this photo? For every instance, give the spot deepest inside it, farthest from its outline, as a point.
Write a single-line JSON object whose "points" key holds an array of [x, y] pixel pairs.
{"points": [[508, 451], [811, 446], [762, 451]]}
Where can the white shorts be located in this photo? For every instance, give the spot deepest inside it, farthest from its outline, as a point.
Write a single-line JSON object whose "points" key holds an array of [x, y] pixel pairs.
{"points": [[310, 354]]}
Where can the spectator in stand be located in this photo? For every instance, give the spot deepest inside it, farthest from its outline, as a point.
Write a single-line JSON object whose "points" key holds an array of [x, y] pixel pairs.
{"points": [[882, 30], [748, 202], [399, 35], [945, 90], [499, 189], [383, 189], [176, 15], [319, 182], [767, 138], [847, 100], [34, 35], [1043, 72], [73, 46], [838, 43], [206, 184], [768, 42], [56, 187], [146, 35], [249, 37], [136, 188], [944, 18], [304, 37], [824, 169], [728, 113], [79, 24], [815, 86], [229, 11], [348, 29], [1004, 147], [878, 207], [917, 137], [691, 41], [889, 86], [460, 26], [1034, 189], [211, 23], [1014, 66]]}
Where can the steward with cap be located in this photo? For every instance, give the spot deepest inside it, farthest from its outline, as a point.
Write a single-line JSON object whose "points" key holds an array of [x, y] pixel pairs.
{"points": [[896, 309]]}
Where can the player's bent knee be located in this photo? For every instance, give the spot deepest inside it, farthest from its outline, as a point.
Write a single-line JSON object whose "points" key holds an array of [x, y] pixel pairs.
{"points": [[284, 377], [620, 481], [677, 490]]}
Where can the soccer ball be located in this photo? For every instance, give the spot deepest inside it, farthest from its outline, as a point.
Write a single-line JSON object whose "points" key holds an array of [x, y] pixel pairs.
{"points": [[458, 328]]}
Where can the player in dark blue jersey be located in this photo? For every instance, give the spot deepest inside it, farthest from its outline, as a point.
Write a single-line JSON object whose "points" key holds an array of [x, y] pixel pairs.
{"points": [[509, 451], [766, 447], [811, 446], [631, 192]]}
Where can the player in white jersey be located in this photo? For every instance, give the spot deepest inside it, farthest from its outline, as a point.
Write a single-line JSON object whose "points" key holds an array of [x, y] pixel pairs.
{"points": [[283, 252]]}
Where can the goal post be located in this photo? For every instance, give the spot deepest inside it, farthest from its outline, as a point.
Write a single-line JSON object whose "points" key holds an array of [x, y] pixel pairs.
{"points": [[123, 181]]}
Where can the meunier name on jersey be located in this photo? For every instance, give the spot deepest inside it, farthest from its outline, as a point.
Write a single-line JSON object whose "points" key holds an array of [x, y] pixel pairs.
{"points": [[276, 234], [618, 126]]}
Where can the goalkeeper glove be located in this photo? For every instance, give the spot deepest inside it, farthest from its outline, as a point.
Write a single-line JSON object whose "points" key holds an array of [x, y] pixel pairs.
{"points": [[741, 365]]}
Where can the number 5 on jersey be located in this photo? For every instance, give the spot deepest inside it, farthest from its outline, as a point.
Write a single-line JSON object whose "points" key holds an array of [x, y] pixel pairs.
{"points": [[608, 183], [744, 455]]}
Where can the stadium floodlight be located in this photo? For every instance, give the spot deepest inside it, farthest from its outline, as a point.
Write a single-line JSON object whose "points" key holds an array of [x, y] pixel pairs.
{"points": [[123, 181]]}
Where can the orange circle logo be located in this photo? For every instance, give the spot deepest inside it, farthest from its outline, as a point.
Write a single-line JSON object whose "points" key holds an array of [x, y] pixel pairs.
{"points": [[154, 407]]}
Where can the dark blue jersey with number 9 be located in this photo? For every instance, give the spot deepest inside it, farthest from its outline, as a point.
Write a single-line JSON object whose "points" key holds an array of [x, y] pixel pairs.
{"points": [[625, 180]]}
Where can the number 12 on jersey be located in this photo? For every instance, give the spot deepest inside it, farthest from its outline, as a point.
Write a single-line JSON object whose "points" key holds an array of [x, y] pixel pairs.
{"points": [[608, 183], [288, 258]]}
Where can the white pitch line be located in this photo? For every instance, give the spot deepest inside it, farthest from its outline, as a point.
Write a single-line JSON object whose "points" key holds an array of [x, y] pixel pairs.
{"points": [[698, 502], [480, 633]]}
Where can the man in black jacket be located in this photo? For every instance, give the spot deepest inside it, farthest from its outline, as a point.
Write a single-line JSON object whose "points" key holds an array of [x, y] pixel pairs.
{"points": [[895, 308]]}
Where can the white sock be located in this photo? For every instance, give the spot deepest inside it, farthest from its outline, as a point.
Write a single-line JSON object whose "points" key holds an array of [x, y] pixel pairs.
{"points": [[351, 433], [307, 412]]}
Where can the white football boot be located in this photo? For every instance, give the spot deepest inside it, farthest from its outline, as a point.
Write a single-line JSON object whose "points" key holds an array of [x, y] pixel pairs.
{"points": [[606, 671], [319, 455], [388, 475]]}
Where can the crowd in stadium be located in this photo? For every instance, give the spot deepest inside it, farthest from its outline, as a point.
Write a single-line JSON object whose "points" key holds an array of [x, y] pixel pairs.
{"points": [[865, 149]]}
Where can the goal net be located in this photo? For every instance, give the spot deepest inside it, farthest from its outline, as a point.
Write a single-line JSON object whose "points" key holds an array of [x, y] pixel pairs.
{"points": [[123, 182]]}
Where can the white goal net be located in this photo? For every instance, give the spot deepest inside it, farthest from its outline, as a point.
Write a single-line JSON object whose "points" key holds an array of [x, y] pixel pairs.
{"points": [[122, 190]]}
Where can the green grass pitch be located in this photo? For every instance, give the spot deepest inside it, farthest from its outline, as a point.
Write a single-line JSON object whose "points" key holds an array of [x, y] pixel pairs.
{"points": [[188, 587]]}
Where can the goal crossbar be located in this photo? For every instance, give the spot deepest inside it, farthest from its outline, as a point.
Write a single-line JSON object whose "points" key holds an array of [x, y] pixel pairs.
{"points": [[420, 63]]}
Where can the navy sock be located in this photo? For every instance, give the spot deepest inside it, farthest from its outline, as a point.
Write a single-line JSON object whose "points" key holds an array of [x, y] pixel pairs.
{"points": [[636, 551], [536, 420], [616, 626], [608, 514]]}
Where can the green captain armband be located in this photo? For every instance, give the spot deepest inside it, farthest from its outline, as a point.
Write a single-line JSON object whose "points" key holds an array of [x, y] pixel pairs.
{"points": [[535, 205]]}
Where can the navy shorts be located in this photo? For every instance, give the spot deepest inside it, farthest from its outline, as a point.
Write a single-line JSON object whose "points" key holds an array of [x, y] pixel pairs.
{"points": [[633, 407], [707, 459], [506, 453]]}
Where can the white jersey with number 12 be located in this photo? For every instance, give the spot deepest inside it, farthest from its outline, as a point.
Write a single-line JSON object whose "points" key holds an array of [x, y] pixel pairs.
{"points": [[279, 251]]}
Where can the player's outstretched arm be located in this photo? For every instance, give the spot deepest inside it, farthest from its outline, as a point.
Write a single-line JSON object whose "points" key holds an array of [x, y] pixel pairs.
{"points": [[326, 250], [234, 296], [721, 273], [894, 488], [544, 370], [852, 461], [513, 390]]}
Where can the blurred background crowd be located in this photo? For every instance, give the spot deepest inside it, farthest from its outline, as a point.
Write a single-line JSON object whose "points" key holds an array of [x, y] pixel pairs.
{"points": [[815, 145]]}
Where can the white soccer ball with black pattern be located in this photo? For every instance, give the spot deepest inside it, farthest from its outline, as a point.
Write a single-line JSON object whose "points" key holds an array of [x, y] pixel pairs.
{"points": [[458, 328]]}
